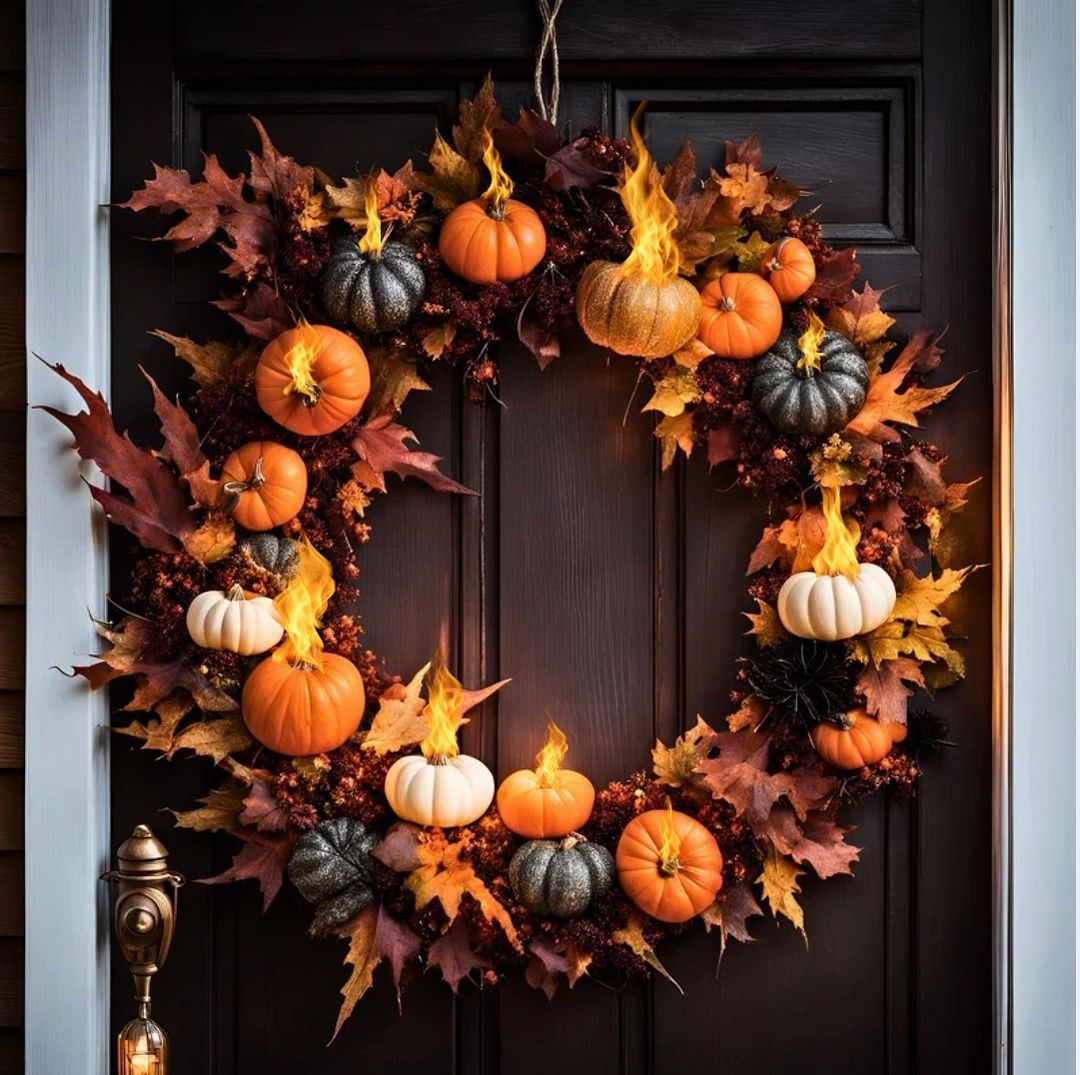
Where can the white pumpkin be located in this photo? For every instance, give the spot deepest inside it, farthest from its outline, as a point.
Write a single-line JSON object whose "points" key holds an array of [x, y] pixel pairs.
{"points": [[233, 621], [443, 791], [831, 607]]}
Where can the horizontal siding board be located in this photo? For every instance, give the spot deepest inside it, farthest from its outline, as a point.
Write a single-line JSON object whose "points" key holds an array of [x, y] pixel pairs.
{"points": [[12, 332], [11, 1051], [12, 36], [11, 811], [11, 895], [13, 465], [12, 122], [12, 731], [11, 983], [12, 212], [12, 562], [12, 648]]}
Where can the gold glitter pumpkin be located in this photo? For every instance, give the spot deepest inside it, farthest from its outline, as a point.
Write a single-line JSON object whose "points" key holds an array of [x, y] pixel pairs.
{"points": [[633, 316]]}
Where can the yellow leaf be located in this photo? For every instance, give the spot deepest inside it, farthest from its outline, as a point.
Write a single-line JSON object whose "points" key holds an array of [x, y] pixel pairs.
{"points": [[765, 627], [633, 936], [315, 213], [475, 117], [577, 962], [393, 377], [211, 363], [746, 187], [220, 809], [400, 720], [438, 339], [214, 739], [675, 765], [444, 874], [919, 600], [675, 433], [750, 714], [673, 392], [363, 958], [452, 179], [212, 541], [348, 201], [692, 355], [780, 885], [750, 252]]}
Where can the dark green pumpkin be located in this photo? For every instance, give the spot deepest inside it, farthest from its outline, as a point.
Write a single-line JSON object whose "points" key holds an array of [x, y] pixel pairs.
{"points": [[810, 402], [332, 867], [560, 878], [374, 294], [271, 553]]}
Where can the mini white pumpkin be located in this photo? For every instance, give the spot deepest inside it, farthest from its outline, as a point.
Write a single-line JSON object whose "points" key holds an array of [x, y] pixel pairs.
{"points": [[233, 621], [441, 791], [831, 607]]}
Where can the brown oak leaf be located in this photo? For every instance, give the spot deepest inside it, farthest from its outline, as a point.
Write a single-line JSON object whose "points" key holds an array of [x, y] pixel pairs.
{"points": [[735, 905], [883, 690], [211, 363], [381, 446], [398, 848], [675, 765], [835, 277], [260, 807], [363, 957], [736, 771], [262, 858], [815, 841], [476, 117], [393, 376], [453, 955], [633, 936], [545, 966], [220, 810]]}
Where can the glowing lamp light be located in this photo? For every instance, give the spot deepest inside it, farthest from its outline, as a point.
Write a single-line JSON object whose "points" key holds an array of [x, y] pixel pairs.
{"points": [[301, 605], [142, 1048], [654, 253], [299, 361]]}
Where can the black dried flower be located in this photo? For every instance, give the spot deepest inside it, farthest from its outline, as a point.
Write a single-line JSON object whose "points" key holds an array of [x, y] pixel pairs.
{"points": [[803, 680]]}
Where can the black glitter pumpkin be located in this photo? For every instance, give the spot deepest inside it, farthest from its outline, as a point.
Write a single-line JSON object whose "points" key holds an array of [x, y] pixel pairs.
{"points": [[276, 555], [372, 293], [560, 878], [332, 868], [806, 401]]}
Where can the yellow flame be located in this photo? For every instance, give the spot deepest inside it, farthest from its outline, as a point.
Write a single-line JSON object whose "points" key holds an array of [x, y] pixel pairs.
{"points": [[654, 253], [300, 607], [551, 754], [837, 556], [299, 361], [810, 344], [372, 240], [670, 844], [443, 711], [501, 186]]}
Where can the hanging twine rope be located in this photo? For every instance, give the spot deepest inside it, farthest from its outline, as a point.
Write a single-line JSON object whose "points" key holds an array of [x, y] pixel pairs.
{"points": [[548, 105]]}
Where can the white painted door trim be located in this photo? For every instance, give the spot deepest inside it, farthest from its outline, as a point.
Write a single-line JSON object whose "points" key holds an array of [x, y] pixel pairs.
{"points": [[67, 789], [67, 320]]}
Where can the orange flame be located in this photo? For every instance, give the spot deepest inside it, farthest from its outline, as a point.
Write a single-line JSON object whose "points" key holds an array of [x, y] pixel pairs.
{"points": [[837, 556], [810, 344], [299, 361], [301, 604], [551, 754], [654, 253], [501, 186], [371, 241], [670, 844], [443, 711]]}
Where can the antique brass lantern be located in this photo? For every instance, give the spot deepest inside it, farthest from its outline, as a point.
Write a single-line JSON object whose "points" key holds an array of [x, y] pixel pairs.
{"points": [[144, 917]]}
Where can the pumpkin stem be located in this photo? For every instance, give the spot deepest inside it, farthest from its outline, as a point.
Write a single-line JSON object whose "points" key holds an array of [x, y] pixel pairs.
{"points": [[236, 592], [669, 867], [844, 721], [496, 210], [437, 759], [256, 481], [726, 304], [570, 841], [309, 395]]}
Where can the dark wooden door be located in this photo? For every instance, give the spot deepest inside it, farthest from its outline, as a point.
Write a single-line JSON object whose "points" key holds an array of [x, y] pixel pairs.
{"points": [[570, 573]]}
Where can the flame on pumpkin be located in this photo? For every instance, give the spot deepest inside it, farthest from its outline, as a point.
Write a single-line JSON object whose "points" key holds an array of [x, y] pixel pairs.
{"points": [[299, 362], [670, 844], [654, 253], [837, 556], [301, 605], [551, 755], [501, 186], [810, 346], [371, 242], [443, 711]]}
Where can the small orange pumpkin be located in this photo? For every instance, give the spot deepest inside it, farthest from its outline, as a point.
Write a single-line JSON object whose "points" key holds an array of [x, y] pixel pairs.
{"points": [[264, 484], [298, 709], [547, 801], [485, 242], [740, 316], [789, 268], [854, 740], [312, 379], [669, 888]]}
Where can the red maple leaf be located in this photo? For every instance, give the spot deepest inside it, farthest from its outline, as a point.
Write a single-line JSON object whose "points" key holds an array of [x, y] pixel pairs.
{"points": [[262, 859], [835, 277], [382, 448], [817, 841], [260, 806], [453, 955], [883, 688]]}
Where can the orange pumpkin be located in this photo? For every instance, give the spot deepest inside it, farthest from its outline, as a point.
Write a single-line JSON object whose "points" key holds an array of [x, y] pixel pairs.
{"points": [[486, 243], [312, 379], [740, 316], [671, 888], [540, 810], [298, 709], [855, 740], [788, 266], [264, 484]]}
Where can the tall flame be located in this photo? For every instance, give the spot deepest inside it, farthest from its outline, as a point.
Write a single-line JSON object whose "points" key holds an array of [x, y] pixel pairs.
{"points": [[654, 253], [443, 711], [670, 844], [551, 755], [300, 607], [837, 556], [371, 241], [299, 361], [810, 346], [501, 186]]}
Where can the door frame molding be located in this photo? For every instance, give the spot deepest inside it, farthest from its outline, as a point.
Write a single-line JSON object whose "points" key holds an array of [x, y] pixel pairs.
{"points": [[67, 319]]}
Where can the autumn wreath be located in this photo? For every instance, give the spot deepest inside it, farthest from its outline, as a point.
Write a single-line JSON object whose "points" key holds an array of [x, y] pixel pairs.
{"points": [[761, 357]]}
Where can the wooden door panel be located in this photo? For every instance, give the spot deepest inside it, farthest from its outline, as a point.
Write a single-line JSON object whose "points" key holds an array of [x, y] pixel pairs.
{"points": [[609, 593]]}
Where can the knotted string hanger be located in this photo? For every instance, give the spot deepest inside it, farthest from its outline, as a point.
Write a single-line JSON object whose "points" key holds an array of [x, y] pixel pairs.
{"points": [[549, 106]]}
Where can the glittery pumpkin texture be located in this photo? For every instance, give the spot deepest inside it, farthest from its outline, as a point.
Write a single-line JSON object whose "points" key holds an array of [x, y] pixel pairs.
{"points": [[478, 900]]}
